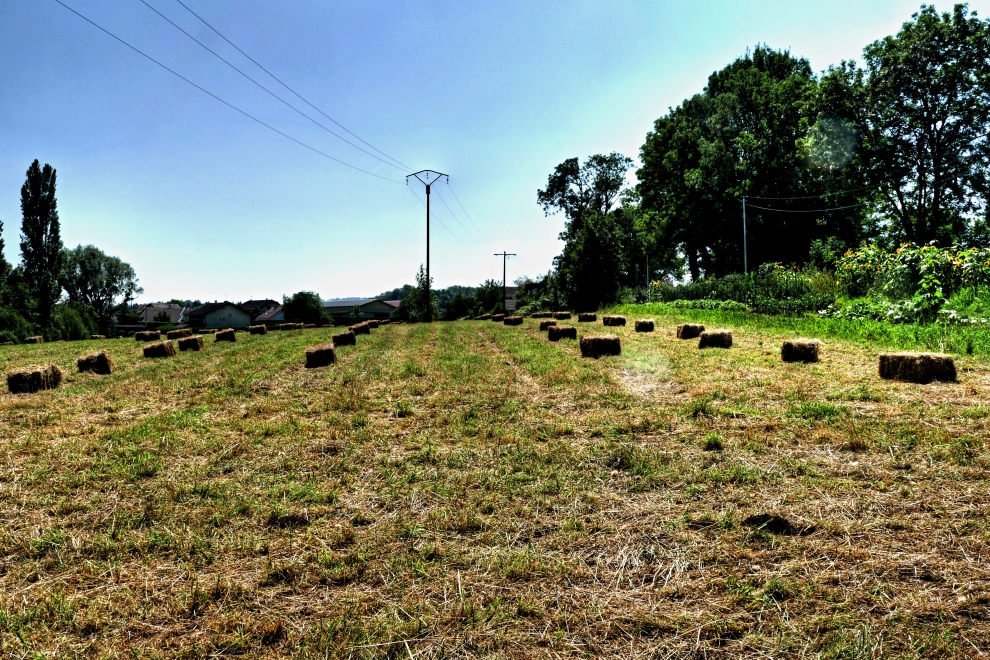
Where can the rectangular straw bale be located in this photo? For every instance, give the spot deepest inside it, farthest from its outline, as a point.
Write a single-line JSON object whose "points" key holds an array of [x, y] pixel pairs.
{"points": [[689, 330], [918, 367], [98, 363], [226, 335], [320, 356], [194, 343], [207, 331], [147, 335], [309, 325], [541, 315], [290, 326], [178, 334], [800, 350], [546, 324], [644, 325], [35, 340], [512, 320], [159, 349], [360, 328], [373, 324], [33, 379], [561, 316], [258, 329], [483, 317], [498, 318], [613, 320], [715, 339], [587, 318], [6, 343], [344, 339], [558, 332], [97, 336], [598, 345]]}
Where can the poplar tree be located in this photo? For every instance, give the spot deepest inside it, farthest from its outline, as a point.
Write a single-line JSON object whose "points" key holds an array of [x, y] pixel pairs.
{"points": [[41, 242]]}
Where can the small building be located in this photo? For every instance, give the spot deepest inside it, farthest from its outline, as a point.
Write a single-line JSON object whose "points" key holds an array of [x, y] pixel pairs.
{"points": [[161, 313], [274, 315], [219, 315], [510, 298], [259, 307], [370, 308]]}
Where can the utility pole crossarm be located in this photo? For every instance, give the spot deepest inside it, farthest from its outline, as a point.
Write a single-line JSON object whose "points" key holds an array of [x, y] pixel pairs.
{"points": [[505, 291]]}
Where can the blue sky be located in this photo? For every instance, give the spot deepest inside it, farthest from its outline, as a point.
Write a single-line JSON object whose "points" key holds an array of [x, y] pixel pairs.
{"points": [[207, 204]]}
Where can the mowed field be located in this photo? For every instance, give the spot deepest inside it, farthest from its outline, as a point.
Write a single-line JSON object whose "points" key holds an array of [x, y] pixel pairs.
{"points": [[471, 490]]}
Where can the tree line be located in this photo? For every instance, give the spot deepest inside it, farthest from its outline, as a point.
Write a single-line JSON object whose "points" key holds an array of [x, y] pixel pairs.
{"points": [[890, 151], [56, 292]]}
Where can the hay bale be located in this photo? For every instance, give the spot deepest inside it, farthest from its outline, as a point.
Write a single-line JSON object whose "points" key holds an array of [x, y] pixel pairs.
{"points": [[715, 339], [360, 328], [558, 332], [32, 379], [147, 335], [384, 321], [546, 324], [541, 315], [226, 335], [596, 346], [644, 325], [587, 318], [35, 340], [562, 316], [98, 363], [159, 349], [344, 339], [320, 356], [194, 343], [483, 317], [800, 350], [291, 326], [512, 320], [918, 367], [307, 326], [258, 329], [208, 331], [498, 318], [97, 336], [373, 324], [6, 343], [689, 330], [613, 320], [178, 334]]}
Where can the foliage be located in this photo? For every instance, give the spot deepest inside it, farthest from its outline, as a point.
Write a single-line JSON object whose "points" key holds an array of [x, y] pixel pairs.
{"points": [[304, 307], [104, 283], [459, 307], [422, 304], [69, 324], [41, 242], [578, 189], [593, 262], [488, 296], [13, 326]]}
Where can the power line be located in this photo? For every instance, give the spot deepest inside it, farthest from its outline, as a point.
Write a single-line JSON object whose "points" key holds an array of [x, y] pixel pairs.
{"points": [[265, 89], [279, 81], [835, 208], [229, 105], [449, 210], [443, 225], [467, 214], [828, 194]]}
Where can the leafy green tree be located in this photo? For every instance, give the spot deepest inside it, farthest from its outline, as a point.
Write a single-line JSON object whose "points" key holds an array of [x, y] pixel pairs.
{"points": [[13, 326], [102, 282], [41, 241], [304, 307], [593, 262], [489, 296], [356, 314], [576, 189], [422, 304]]}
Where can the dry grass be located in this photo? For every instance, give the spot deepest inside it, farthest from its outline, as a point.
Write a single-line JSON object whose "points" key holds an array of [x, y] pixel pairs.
{"points": [[463, 489]]}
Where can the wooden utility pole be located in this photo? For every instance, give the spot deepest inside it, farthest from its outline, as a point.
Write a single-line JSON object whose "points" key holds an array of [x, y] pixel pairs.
{"points": [[505, 291], [427, 178]]}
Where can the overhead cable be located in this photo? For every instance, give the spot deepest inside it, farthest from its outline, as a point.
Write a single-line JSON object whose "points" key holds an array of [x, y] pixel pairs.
{"points": [[265, 89], [449, 210], [466, 213], [443, 225], [279, 81], [229, 105], [835, 208]]}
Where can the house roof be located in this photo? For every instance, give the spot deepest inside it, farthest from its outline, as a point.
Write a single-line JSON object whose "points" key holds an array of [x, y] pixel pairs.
{"points": [[149, 312], [259, 304], [392, 303], [268, 315], [212, 307], [347, 302]]}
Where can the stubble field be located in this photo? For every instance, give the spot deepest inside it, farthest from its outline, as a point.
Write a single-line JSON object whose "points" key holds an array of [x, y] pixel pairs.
{"points": [[471, 490]]}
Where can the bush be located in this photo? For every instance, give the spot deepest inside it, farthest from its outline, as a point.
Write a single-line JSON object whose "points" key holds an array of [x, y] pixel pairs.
{"points": [[13, 326], [304, 307]]}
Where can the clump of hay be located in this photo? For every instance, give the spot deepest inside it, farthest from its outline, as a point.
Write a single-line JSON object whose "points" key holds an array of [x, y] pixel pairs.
{"points": [[360, 328], [194, 343], [227, 334], [6, 343], [800, 350], [613, 320], [918, 367], [715, 339], [558, 332], [599, 345], [178, 334], [344, 339], [98, 363], [689, 330], [308, 325], [644, 325], [512, 320], [320, 356], [258, 329], [587, 318], [208, 331], [561, 316], [35, 340], [159, 349], [373, 324], [32, 379], [546, 324], [147, 335], [483, 317], [97, 336], [498, 318], [541, 315], [384, 321], [291, 326]]}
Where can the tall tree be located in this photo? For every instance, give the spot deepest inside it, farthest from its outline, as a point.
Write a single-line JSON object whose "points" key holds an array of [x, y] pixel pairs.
{"points": [[575, 189], [99, 280], [926, 123], [5, 270], [41, 242]]}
